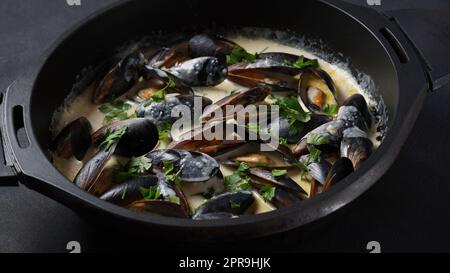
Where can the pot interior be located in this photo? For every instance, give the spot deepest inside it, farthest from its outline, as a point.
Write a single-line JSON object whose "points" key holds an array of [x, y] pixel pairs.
{"points": [[330, 29]]}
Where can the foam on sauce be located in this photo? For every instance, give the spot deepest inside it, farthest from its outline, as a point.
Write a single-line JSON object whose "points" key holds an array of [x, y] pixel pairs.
{"points": [[346, 85]]}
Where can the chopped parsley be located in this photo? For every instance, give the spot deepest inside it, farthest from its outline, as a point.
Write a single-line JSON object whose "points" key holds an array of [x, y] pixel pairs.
{"points": [[116, 111], [135, 166], [170, 174], [314, 153], [112, 136], [209, 193], [234, 205], [164, 131], [292, 110], [239, 54], [331, 109], [267, 193], [303, 168], [174, 199], [239, 180], [150, 193], [283, 141], [277, 173], [303, 62], [160, 95], [316, 139]]}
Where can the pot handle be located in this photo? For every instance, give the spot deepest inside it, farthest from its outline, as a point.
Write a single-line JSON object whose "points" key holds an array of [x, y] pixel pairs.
{"points": [[428, 31], [7, 169]]}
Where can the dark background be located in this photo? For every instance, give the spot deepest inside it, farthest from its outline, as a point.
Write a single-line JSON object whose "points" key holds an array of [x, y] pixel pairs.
{"points": [[407, 210]]}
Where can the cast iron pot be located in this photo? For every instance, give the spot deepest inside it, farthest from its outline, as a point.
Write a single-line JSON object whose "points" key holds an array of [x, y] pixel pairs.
{"points": [[376, 45]]}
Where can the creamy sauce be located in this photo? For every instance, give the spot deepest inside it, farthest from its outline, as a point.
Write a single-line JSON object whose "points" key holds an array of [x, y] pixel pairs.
{"points": [[346, 85]]}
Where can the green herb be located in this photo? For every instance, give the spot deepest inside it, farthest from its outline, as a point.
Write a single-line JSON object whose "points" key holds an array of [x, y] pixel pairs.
{"points": [[169, 172], [302, 62], [303, 168], [292, 110], [239, 54], [234, 205], [331, 109], [124, 192], [209, 193], [314, 153], [150, 193], [112, 136], [116, 111], [174, 199], [283, 141], [277, 173], [135, 166], [260, 164], [239, 180], [160, 95], [316, 139], [267, 193], [164, 131]]}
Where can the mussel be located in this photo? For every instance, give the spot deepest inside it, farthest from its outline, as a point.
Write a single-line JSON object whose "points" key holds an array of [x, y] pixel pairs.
{"points": [[128, 192], [141, 136], [356, 145], [317, 169], [159, 112], [340, 169], [201, 71], [283, 127], [359, 102], [264, 176], [120, 78], [74, 139], [317, 90], [230, 203], [282, 198]]}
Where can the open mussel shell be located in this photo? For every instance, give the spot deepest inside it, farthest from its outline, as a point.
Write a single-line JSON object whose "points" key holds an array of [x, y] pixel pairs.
{"points": [[176, 85], [340, 169], [194, 167], [231, 202], [264, 176], [243, 98], [282, 198], [278, 78], [120, 78], [74, 139], [159, 207], [129, 191], [356, 146], [106, 179], [317, 89], [318, 170], [92, 169], [201, 71], [332, 131], [140, 137], [159, 112]]}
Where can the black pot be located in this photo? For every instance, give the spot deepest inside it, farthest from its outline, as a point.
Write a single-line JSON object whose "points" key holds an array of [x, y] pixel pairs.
{"points": [[376, 45]]}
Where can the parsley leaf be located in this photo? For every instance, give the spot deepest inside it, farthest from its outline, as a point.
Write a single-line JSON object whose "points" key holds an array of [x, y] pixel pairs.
{"points": [[302, 62], [239, 180], [112, 136], [279, 172], [150, 193], [292, 110], [267, 193], [116, 111], [331, 109], [316, 139], [314, 153], [303, 168], [234, 205], [135, 166], [169, 172], [164, 131], [239, 54], [160, 95], [174, 199], [209, 193]]}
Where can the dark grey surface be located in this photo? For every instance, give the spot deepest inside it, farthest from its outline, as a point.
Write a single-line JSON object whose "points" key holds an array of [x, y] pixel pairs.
{"points": [[407, 210]]}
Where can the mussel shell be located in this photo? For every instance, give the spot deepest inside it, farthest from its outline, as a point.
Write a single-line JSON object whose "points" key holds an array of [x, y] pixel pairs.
{"points": [[74, 139], [140, 137], [120, 78], [160, 207], [318, 170], [223, 203], [159, 112], [177, 85], [282, 198], [215, 216], [282, 125], [210, 45], [352, 117], [92, 169], [105, 181], [356, 146], [329, 91], [201, 71], [265, 177], [358, 101], [128, 192], [278, 78], [340, 169], [331, 130]]}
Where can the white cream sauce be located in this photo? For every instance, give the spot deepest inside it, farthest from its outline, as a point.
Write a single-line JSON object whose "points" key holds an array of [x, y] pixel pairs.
{"points": [[346, 85]]}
